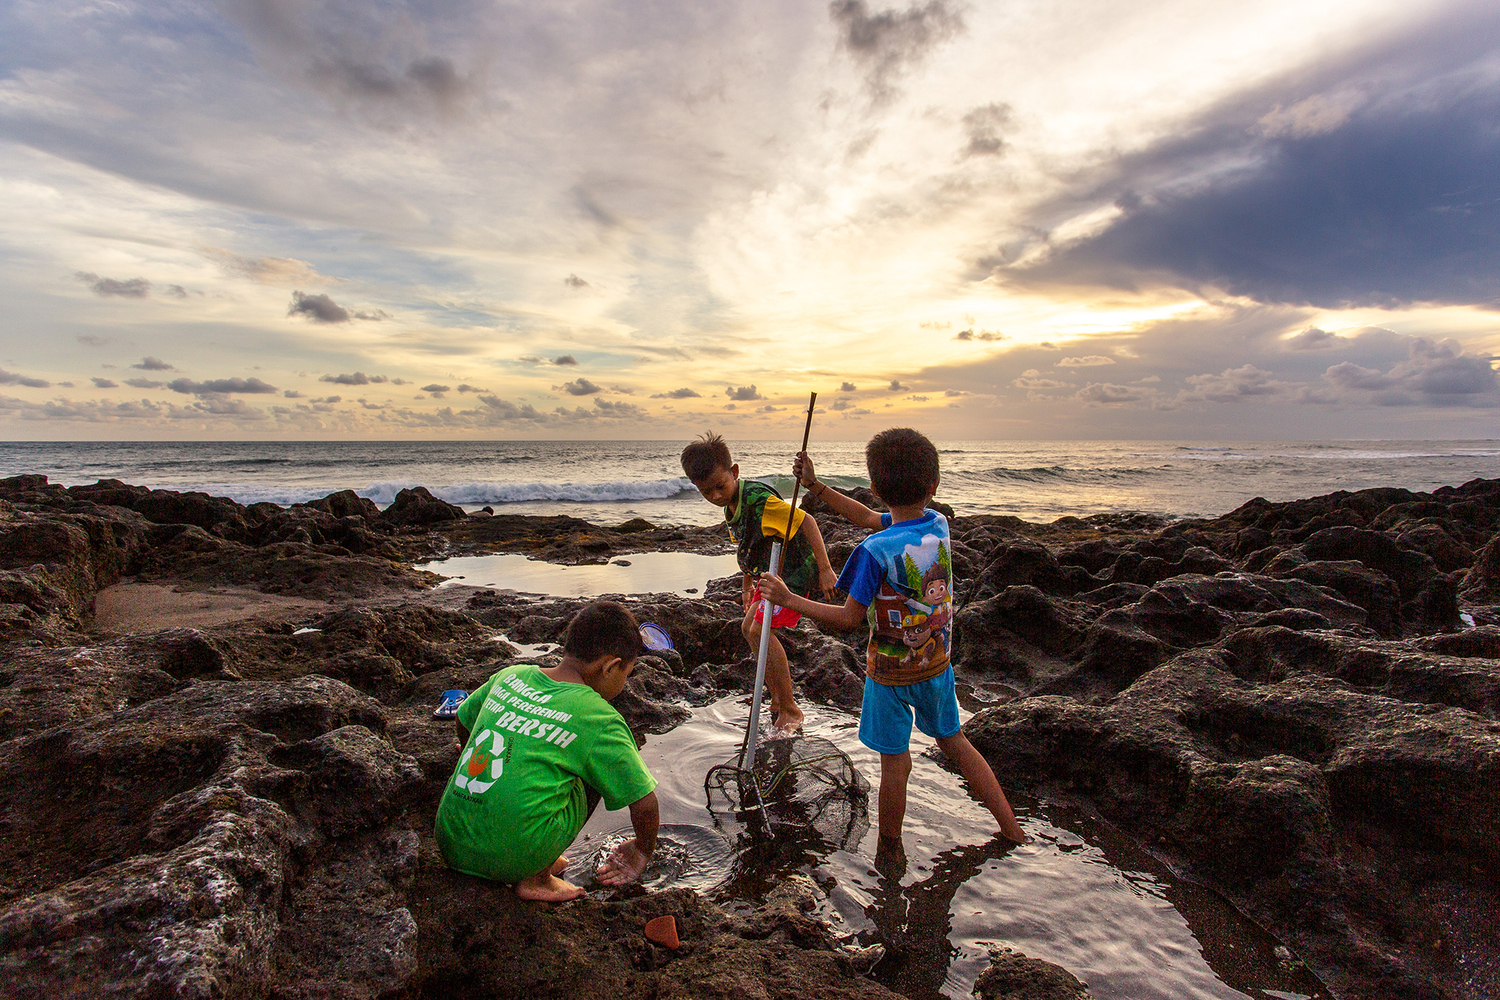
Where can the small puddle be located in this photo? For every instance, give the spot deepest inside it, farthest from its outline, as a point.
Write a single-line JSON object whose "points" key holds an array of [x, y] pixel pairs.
{"points": [[1080, 894], [682, 573]]}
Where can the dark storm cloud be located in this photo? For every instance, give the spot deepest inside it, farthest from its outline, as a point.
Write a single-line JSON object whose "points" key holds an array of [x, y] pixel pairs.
{"points": [[151, 364], [219, 386], [104, 383], [683, 393], [890, 42], [355, 378], [131, 288], [11, 378], [578, 387], [1374, 184], [744, 393]]}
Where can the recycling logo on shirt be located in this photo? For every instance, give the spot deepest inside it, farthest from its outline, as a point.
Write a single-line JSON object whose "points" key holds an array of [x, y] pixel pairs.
{"points": [[472, 765]]}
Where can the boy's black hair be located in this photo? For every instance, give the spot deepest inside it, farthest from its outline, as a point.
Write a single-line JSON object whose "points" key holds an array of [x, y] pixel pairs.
{"points": [[704, 456], [603, 628], [903, 465]]}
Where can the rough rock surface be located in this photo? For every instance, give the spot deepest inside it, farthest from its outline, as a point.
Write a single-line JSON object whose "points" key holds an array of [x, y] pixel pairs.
{"points": [[1296, 704]]}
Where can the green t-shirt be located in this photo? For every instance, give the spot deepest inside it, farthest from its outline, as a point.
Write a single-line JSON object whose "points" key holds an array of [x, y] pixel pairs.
{"points": [[516, 799]]}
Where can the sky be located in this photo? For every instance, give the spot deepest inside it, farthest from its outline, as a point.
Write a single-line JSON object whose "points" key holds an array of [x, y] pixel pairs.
{"points": [[1078, 219]]}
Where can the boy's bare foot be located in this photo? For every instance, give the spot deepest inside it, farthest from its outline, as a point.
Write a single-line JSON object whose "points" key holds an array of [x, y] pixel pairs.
{"points": [[787, 723], [547, 887]]}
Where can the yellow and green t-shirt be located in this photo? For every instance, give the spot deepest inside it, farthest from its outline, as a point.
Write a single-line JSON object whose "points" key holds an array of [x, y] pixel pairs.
{"points": [[516, 799], [759, 517]]}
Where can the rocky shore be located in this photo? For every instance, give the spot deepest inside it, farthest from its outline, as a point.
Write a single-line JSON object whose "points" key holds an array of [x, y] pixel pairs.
{"points": [[218, 766]]}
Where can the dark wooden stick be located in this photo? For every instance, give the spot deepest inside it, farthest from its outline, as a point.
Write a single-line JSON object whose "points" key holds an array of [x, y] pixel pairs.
{"points": [[797, 480]]}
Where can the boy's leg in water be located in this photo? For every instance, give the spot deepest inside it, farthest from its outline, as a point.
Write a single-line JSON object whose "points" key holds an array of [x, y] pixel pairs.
{"points": [[548, 885], [895, 768], [981, 777]]}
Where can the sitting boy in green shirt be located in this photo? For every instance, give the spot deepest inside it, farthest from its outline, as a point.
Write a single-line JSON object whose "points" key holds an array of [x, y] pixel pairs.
{"points": [[539, 744], [756, 515]]}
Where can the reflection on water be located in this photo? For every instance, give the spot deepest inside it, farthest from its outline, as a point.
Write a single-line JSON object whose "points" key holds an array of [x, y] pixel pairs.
{"points": [[1080, 894], [637, 573]]}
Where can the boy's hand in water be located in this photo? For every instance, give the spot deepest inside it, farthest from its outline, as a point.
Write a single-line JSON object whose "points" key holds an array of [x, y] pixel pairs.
{"points": [[624, 864], [802, 468], [774, 588]]}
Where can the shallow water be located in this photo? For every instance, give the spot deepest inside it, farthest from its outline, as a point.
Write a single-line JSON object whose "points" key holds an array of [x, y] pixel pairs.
{"points": [[1081, 894], [638, 573]]}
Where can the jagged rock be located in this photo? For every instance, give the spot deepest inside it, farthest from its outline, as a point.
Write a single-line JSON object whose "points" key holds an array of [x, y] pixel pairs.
{"points": [[1013, 976], [1482, 584], [1368, 588], [346, 503], [417, 506], [837, 678]]}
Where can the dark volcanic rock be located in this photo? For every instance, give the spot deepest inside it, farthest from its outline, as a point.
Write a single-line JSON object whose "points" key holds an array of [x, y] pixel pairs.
{"points": [[417, 506]]}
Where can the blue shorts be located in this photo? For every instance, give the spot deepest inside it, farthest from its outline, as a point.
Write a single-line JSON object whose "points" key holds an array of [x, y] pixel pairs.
{"points": [[886, 716]]}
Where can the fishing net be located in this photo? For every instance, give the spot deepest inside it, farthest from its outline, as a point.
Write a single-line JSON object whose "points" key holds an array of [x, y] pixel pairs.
{"points": [[804, 784]]}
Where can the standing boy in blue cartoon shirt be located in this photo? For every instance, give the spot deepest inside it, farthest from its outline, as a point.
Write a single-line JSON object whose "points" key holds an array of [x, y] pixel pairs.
{"points": [[901, 580]]}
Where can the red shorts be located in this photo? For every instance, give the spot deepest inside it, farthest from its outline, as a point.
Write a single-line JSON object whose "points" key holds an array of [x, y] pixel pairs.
{"points": [[780, 617]]}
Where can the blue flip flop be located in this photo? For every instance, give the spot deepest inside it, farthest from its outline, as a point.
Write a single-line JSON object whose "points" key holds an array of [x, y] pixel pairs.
{"points": [[448, 707]]}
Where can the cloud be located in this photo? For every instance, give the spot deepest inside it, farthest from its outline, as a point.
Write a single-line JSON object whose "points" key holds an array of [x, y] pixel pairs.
{"points": [[131, 288], [177, 291], [1031, 379], [891, 42], [464, 387], [896, 386], [1107, 393], [1233, 384], [436, 389], [91, 340], [578, 387], [153, 364], [220, 386], [683, 393], [982, 126], [11, 378], [285, 271], [744, 393], [1088, 361], [1313, 339], [355, 378], [574, 281], [328, 399], [143, 383], [1436, 372], [321, 308], [620, 409], [292, 394], [104, 383], [842, 403], [847, 387], [1384, 200], [566, 359]]}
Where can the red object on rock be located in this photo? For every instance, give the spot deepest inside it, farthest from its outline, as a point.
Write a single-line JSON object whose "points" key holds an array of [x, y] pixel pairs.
{"points": [[663, 931]]}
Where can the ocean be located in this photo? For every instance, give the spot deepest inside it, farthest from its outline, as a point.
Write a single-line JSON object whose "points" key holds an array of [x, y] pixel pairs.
{"points": [[608, 482]]}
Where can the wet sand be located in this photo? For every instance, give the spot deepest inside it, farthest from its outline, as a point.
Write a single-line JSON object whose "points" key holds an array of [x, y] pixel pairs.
{"points": [[147, 607]]}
